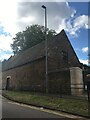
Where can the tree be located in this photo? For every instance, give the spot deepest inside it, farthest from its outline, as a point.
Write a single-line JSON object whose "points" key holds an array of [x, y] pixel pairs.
{"points": [[31, 36]]}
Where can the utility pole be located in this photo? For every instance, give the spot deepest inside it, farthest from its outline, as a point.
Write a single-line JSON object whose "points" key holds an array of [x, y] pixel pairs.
{"points": [[44, 7]]}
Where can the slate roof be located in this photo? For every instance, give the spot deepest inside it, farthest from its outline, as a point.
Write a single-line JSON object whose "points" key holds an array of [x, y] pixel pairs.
{"points": [[26, 56], [31, 54]]}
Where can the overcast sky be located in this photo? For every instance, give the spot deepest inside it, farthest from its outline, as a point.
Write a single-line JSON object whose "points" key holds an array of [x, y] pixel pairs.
{"points": [[73, 17]]}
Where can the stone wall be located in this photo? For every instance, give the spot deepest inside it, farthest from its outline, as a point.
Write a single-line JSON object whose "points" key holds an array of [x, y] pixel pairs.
{"points": [[0, 75], [27, 77], [59, 82], [76, 78], [32, 77]]}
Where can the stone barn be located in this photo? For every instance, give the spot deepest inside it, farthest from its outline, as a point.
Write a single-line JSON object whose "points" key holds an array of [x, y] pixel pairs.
{"points": [[26, 71]]}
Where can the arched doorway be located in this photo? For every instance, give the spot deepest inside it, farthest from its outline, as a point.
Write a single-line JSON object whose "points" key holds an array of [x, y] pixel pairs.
{"points": [[8, 82]]}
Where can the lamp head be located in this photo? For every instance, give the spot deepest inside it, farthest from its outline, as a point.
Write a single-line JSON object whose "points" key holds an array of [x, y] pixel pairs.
{"points": [[43, 6]]}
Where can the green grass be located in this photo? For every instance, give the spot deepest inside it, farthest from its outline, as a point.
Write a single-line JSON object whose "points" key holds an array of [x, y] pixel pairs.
{"points": [[75, 106]]}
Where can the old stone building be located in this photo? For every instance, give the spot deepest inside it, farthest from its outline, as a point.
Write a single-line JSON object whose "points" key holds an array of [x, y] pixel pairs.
{"points": [[26, 71]]}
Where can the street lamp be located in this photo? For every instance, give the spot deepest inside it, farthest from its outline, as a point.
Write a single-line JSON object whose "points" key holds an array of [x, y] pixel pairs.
{"points": [[44, 7]]}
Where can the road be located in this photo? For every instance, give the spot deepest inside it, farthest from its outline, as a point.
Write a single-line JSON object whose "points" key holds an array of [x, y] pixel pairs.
{"points": [[14, 110], [0, 107]]}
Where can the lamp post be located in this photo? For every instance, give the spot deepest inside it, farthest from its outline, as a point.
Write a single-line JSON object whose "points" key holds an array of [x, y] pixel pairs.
{"points": [[44, 7]]}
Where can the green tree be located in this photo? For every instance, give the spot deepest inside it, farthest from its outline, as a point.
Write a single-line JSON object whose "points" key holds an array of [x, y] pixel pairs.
{"points": [[31, 36]]}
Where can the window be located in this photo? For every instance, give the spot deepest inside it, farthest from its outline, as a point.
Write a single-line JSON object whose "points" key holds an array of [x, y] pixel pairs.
{"points": [[65, 56]]}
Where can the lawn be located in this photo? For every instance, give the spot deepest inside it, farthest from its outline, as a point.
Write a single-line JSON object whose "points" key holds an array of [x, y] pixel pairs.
{"points": [[76, 106]]}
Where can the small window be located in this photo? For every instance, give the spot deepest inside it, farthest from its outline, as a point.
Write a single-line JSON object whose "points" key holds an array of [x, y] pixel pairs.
{"points": [[65, 56]]}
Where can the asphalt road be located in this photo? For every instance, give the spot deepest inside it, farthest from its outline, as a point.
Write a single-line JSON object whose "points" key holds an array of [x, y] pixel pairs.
{"points": [[0, 107], [14, 110]]}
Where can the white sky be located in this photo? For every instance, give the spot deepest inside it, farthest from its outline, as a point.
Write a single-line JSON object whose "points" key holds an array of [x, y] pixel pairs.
{"points": [[15, 16]]}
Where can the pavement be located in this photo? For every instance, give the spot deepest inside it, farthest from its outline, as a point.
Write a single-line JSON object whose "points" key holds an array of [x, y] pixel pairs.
{"points": [[0, 105], [12, 109]]}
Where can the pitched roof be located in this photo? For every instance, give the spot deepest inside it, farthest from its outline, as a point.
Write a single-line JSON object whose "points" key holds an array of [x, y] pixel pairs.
{"points": [[26, 56], [31, 54]]}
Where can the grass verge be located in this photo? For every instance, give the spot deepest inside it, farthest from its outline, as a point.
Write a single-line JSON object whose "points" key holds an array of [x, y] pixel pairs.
{"points": [[75, 106]]}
